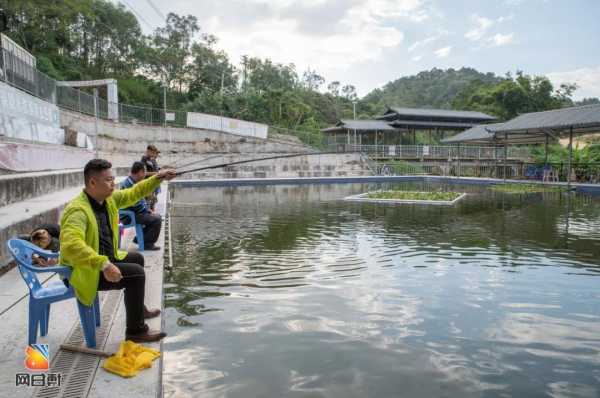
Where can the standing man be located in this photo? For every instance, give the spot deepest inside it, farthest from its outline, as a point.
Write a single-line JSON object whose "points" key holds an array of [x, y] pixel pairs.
{"points": [[89, 245], [149, 161], [143, 215]]}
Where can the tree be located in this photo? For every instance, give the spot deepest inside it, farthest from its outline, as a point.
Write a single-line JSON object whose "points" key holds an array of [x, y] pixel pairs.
{"points": [[210, 70], [349, 92], [312, 80], [513, 96], [169, 52], [263, 75], [334, 88], [588, 101]]}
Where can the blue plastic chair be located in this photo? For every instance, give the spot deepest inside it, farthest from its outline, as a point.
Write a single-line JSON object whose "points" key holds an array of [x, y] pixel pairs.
{"points": [[139, 228], [41, 297]]}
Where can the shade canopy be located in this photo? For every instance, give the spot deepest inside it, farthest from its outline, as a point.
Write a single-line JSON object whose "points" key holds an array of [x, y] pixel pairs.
{"points": [[582, 119], [534, 127], [479, 134], [435, 114], [359, 125]]}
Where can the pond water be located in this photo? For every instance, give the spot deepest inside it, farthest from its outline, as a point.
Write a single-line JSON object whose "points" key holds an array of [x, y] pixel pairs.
{"points": [[286, 291]]}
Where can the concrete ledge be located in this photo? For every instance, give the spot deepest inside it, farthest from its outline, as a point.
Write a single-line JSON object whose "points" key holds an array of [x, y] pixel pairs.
{"points": [[363, 197], [587, 188], [19, 187]]}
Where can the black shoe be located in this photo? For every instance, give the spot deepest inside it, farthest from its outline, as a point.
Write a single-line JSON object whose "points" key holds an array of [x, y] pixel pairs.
{"points": [[152, 247], [145, 335], [148, 336], [149, 314]]}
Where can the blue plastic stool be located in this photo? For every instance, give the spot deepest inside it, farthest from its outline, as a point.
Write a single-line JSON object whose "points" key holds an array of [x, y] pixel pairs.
{"points": [[139, 228], [41, 297]]}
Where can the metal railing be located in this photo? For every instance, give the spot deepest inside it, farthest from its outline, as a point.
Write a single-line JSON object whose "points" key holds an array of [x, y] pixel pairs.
{"points": [[435, 151], [585, 173], [23, 76]]}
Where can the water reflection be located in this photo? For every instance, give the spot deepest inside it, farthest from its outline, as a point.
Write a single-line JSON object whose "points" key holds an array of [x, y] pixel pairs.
{"points": [[284, 291]]}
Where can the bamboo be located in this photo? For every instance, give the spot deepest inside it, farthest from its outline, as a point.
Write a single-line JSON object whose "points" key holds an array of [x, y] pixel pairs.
{"points": [[85, 350]]}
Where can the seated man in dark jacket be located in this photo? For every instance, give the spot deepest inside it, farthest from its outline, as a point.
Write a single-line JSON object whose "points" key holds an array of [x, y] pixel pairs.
{"points": [[143, 215]]}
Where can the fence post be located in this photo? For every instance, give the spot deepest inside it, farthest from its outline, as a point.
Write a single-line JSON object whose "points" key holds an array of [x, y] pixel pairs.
{"points": [[458, 171], [96, 119], [505, 154]]}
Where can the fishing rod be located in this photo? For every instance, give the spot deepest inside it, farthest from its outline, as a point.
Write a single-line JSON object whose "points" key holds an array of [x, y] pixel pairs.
{"points": [[179, 166], [218, 166]]}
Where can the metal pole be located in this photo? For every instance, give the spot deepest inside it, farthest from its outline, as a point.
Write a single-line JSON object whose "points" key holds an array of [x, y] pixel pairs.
{"points": [[354, 113], [165, 105], [458, 172], [505, 153], [546, 150], [96, 120], [222, 85], [570, 157]]}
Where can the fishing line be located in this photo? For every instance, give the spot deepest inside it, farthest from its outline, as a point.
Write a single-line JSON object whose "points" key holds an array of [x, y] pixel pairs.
{"points": [[175, 165], [218, 166]]}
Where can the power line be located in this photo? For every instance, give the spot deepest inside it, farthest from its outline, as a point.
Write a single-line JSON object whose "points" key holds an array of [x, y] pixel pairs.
{"points": [[138, 14], [155, 8]]}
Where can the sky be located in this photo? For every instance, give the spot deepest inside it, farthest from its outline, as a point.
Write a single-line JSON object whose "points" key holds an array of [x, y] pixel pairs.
{"points": [[368, 43]]}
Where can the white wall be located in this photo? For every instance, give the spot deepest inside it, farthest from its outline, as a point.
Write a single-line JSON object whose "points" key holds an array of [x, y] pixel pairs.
{"points": [[227, 125], [26, 117]]}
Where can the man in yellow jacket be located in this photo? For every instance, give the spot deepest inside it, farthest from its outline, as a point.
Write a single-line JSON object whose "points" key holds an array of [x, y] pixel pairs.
{"points": [[89, 245]]}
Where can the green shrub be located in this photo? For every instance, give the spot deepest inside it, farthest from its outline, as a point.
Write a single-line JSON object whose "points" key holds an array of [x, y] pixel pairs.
{"points": [[412, 195]]}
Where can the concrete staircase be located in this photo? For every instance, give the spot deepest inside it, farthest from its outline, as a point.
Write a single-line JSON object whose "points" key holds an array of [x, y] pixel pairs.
{"points": [[33, 198]]}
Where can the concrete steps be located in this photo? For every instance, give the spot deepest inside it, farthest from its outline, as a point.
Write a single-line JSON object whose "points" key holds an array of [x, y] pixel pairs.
{"points": [[15, 188], [314, 165], [19, 187]]}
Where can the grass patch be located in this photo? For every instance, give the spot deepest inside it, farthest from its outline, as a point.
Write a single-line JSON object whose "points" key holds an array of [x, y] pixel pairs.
{"points": [[526, 188], [412, 195]]}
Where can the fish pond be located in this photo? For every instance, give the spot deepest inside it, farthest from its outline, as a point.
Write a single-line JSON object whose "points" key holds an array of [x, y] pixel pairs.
{"points": [[289, 291]]}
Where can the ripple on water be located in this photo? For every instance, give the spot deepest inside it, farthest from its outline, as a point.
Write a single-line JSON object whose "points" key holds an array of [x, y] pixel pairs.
{"points": [[283, 291]]}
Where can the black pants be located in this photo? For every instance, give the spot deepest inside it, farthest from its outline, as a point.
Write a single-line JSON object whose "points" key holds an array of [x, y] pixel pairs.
{"points": [[133, 281], [152, 224]]}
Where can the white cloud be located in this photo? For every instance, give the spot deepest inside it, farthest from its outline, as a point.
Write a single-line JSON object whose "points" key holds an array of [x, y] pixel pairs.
{"points": [[482, 25], [327, 36], [428, 40], [588, 80], [443, 52], [417, 58], [480, 31], [502, 40], [412, 9]]}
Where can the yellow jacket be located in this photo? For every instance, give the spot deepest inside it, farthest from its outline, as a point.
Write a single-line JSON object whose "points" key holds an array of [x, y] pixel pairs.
{"points": [[79, 240]]}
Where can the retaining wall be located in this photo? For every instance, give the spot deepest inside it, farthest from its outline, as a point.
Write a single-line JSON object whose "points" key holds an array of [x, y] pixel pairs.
{"points": [[26, 117], [124, 137]]}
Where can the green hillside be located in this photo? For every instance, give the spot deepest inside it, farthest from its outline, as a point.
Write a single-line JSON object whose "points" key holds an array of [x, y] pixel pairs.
{"points": [[436, 88], [96, 39]]}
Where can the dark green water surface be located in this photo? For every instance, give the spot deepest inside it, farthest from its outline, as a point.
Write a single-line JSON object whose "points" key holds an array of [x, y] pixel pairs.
{"points": [[286, 291]]}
